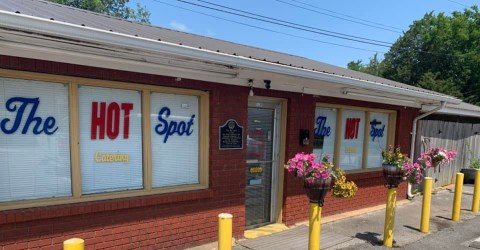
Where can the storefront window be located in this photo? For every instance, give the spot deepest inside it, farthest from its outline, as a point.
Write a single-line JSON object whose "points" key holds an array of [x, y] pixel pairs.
{"points": [[175, 139], [377, 138], [110, 139], [34, 141], [351, 143], [324, 131]]}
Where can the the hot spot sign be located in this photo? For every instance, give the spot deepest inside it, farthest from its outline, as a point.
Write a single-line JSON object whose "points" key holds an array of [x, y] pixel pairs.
{"points": [[39, 125], [351, 128], [106, 119]]}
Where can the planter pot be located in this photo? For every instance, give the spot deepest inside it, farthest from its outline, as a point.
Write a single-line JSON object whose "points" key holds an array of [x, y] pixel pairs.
{"points": [[317, 190], [469, 174], [393, 175]]}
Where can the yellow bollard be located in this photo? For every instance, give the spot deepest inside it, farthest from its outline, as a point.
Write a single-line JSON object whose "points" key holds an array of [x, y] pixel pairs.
{"points": [[314, 226], [225, 231], [74, 244], [389, 217], [427, 200], [476, 192], [457, 199]]}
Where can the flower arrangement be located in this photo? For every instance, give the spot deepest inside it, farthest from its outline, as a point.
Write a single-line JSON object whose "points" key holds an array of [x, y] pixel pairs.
{"points": [[393, 156], [413, 172], [305, 166], [343, 188], [434, 156], [428, 159]]}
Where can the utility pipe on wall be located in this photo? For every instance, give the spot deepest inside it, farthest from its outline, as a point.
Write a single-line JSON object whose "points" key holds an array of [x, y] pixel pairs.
{"points": [[414, 134]]}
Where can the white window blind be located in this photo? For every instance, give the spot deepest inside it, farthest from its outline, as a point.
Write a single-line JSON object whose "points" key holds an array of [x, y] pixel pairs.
{"points": [[110, 139], [175, 138], [377, 138], [324, 131], [34, 140], [351, 146]]}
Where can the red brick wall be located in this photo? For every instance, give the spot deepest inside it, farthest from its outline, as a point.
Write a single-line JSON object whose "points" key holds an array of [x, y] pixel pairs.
{"points": [[186, 219], [175, 220], [371, 190]]}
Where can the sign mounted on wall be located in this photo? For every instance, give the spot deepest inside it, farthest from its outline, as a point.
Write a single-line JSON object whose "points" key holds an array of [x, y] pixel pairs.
{"points": [[230, 135]]}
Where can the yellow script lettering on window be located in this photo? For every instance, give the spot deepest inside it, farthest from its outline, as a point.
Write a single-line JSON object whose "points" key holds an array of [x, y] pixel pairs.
{"points": [[107, 157]]}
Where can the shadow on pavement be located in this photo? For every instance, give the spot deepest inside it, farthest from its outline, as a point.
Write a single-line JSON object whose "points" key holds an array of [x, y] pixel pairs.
{"points": [[413, 228], [372, 238], [443, 217]]}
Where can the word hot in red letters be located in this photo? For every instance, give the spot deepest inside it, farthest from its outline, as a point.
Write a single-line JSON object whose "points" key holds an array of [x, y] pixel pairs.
{"points": [[351, 128], [106, 119]]}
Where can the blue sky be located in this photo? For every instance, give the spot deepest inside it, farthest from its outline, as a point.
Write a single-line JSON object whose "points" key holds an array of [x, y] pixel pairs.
{"points": [[393, 15]]}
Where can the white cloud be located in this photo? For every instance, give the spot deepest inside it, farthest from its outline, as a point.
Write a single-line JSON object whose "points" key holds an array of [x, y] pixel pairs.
{"points": [[178, 26]]}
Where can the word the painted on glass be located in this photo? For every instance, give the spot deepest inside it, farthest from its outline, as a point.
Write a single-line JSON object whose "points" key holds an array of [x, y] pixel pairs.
{"points": [[320, 128], [376, 131], [169, 128], [108, 157], [18, 105], [106, 120], [351, 128], [350, 150]]}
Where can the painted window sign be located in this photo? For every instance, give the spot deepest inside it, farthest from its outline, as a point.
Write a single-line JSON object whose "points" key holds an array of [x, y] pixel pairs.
{"points": [[17, 106], [377, 139], [376, 129], [106, 120], [351, 144], [324, 131], [34, 140], [168, 128], [320, 127], [175, 139], [351, 128], [110, 127]]}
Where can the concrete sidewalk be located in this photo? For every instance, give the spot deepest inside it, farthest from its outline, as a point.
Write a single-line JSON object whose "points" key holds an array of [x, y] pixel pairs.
{"points": [[366, 231]]}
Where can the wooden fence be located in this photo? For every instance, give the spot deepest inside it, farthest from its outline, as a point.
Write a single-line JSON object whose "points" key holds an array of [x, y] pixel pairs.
{"points": [[463, 137]]}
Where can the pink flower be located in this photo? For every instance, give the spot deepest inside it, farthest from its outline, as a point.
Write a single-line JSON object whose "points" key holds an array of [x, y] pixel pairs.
{"points": [[325, 174], [317, 165]]}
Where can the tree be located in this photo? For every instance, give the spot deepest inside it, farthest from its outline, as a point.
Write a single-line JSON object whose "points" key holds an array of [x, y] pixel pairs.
{"points": [[374, 66], [440, 53], [117, 8]]}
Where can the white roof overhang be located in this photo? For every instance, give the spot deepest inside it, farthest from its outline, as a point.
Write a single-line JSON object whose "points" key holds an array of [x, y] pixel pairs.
{"points": [[455, 110]]}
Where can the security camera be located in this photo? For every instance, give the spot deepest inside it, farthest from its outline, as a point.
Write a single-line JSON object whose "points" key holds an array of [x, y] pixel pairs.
{"points": [[267, 83]]}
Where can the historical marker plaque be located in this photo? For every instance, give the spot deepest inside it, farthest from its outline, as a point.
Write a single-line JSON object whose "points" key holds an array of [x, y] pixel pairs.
{"points": [[230, 135]]}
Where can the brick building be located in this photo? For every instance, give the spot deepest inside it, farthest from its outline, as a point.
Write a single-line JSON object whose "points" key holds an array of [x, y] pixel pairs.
{"points": [[135, 136]]}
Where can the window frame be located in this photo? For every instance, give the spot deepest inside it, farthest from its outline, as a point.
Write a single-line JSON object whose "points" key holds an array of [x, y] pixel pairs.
{"points": [[392, 117], [145, 89]]}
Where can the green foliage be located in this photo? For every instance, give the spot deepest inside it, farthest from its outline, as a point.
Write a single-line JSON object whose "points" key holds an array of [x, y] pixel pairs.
{"points": [[475, 163], [432, 81], [438, 52], [117, 8], [374, 66]]}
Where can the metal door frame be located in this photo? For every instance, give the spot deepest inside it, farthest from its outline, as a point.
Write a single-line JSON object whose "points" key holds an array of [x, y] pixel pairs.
{"points": [[276, 105]]}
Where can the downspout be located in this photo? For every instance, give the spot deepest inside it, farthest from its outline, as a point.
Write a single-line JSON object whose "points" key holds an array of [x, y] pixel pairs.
{"points": [[414, 134]]}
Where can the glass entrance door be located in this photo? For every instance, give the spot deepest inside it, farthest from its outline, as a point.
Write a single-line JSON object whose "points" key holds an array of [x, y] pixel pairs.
{"points": [[262, 162]]}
